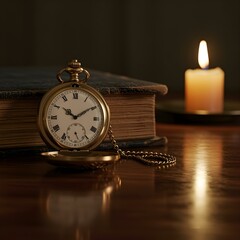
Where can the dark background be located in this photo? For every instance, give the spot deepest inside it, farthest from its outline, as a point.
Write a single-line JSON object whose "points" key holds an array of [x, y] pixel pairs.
{"points": [[155, 40]]}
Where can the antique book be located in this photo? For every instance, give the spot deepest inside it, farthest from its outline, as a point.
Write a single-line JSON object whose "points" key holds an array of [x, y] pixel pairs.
{"points": [[131, 103]]}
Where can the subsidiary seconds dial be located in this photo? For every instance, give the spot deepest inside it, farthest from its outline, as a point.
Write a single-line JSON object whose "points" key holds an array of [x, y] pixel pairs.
{"points": [[75, 118], [76, 133]]}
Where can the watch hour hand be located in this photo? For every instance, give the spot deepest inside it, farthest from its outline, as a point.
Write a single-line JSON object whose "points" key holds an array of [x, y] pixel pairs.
{"points": [[69, 112]]}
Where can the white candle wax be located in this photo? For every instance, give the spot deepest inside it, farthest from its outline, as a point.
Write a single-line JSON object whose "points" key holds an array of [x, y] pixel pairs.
{"points": [[204, 90]]}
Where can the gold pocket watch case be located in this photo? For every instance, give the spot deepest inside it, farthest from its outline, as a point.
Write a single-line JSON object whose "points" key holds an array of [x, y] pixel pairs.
{"points": [[83, 159], [74, 119]]}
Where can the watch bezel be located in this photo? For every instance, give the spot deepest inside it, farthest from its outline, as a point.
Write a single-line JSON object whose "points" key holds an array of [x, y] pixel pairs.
{"points": [[46, 101]]}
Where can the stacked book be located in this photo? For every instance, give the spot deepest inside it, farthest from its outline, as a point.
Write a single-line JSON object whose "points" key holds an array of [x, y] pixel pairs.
{"points": [[131, 103]]}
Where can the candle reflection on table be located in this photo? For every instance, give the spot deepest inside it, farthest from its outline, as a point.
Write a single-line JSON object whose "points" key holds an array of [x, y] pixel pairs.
{"points": [[201, 158]]}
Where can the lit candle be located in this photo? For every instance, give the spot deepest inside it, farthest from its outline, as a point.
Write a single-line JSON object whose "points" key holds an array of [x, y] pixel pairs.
{"points": [[204, 88]]}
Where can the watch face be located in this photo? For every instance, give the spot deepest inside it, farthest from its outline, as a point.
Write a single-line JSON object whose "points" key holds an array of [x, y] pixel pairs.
{"points": [[75, 118]]}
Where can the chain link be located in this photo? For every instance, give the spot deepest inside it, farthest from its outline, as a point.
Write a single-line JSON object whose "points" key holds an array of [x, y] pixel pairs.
{"points": [[149, 158]]}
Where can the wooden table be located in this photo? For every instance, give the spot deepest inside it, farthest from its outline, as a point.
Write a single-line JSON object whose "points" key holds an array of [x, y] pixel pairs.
{"points": [[198, 198]]}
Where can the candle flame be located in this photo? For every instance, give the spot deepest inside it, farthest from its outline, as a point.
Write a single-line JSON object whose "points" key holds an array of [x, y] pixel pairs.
{"points": [[203, 58]]}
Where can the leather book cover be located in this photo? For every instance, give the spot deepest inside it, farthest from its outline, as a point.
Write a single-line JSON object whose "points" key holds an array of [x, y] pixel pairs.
{"points": [[130, 144], [25, 82]]}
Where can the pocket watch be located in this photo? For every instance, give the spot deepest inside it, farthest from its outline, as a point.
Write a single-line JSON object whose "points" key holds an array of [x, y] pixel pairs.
{"points": [[74, 119]]}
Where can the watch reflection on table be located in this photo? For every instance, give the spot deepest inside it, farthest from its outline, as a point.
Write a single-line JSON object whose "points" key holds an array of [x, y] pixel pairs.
{"points": [[78, 203]]}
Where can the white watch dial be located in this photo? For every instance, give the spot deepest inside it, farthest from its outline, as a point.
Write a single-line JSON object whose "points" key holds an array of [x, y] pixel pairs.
{"points": [[75, 118]]}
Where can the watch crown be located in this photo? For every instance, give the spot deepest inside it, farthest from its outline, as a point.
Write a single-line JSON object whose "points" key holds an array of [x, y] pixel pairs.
{"points": [[75, 70], [74, 64]]}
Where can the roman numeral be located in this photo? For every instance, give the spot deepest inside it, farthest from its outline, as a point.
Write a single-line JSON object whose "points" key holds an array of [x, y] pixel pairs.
{"points": [[56, 106], [75, 95], [86, 99], [56, 128], [54, 117], [95, 118], [64, 137], [64, 98], [93, 129]]}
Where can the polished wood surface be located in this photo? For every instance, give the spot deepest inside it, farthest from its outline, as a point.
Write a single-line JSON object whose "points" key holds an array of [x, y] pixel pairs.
{"points": [[198, 198]]}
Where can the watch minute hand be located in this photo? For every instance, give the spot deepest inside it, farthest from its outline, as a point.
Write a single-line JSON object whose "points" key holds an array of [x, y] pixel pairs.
{"points": [[85, 111]]}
